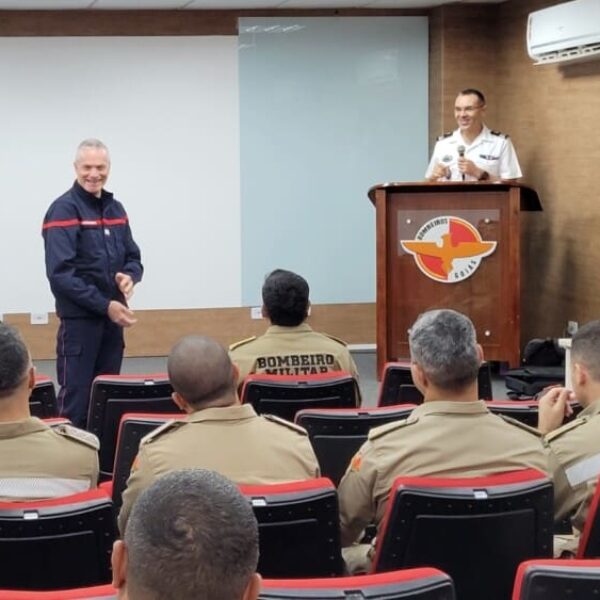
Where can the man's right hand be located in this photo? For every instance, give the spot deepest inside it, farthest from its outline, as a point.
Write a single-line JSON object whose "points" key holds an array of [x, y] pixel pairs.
{"points": [[120, 314], [440, 171], [554, 407]]}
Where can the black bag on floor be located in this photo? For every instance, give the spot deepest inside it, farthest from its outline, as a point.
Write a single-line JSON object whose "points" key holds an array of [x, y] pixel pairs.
{"points": [[529, 381]]}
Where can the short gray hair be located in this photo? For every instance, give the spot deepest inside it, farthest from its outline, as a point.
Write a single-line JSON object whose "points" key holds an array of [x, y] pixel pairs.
{"points": [[443, 343], [190, 535], [91, 143]]}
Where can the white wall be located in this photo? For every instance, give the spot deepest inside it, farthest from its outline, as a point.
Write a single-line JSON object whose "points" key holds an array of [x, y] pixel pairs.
{"points": [[167, 107]]}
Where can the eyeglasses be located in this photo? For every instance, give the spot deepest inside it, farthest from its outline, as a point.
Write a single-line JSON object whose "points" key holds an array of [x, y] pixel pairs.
{"points": [[467, 109]]}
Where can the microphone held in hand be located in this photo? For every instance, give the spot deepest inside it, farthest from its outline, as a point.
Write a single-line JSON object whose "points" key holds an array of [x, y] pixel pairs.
{"points": [[461, 154]]}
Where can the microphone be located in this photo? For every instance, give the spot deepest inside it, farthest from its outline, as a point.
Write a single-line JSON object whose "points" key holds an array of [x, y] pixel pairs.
{"points": [[461, 154]]}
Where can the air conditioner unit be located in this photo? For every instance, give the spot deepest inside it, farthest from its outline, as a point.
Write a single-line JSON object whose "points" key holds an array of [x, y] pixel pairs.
{"points": [[565, 32]]}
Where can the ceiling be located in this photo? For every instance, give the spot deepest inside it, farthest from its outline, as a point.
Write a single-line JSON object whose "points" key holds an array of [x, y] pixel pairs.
{"points": [[221, 4]]}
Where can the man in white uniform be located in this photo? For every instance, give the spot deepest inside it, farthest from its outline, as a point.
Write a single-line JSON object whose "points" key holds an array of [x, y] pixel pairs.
{"points": [[473, 152]]}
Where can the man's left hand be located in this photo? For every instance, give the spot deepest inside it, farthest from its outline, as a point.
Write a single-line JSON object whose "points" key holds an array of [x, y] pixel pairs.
{"points": [[468, 167], [125, 284]]}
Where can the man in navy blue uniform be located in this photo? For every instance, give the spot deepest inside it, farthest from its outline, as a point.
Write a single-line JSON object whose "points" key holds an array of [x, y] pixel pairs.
{"points": [[92, 263]]}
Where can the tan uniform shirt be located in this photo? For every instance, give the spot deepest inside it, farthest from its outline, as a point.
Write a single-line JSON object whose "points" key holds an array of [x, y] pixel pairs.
{"points": [[37, 461], [575, 464], [443, 439], [234, 441], [291, 351]]}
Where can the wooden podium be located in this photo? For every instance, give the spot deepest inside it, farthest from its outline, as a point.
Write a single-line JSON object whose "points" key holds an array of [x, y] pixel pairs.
{"points": [[435, 249]]}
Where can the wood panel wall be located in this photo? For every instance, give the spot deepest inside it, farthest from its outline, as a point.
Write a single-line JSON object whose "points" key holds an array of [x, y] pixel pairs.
{"points": [[157, 330], [552, 113]]}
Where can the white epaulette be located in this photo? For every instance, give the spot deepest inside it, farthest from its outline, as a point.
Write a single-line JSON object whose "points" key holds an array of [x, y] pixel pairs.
{"points": [[521, 425], [172, 424], [241, 343], [288, 424], [382, 430], [79, 435], [564, 428]]}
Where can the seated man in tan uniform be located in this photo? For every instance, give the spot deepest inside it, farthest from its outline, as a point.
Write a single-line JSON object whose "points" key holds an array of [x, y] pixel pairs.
{"points": [[575, 447], [218, 432], [289, 346], [191, 536], [37, 461], [452, 434]]}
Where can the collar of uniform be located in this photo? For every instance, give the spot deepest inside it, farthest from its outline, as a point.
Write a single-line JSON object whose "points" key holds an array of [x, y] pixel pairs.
{"points": [[11, 429], [444, 407], [223, 413], [83, 194], [591, 411], [274, 329], [484, 136]]}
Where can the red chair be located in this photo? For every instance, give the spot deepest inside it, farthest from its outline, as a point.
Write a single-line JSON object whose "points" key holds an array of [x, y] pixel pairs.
{"points": [[557, 580], [285, 395], [409, 584], [337, 433], [42, 401], [299, 530], [114, 395], [132, 428], [56, 544], [97, 592], [483, 525]]}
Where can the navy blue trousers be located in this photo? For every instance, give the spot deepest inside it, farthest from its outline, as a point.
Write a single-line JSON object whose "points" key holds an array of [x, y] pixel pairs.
{"points": [[85, 348]]}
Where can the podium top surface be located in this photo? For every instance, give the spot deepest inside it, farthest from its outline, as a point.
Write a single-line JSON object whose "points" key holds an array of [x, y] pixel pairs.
{"points": [[529, 198]]}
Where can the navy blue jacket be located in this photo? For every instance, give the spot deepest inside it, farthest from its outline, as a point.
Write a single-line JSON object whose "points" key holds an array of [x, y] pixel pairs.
{"points": [[88, 241]]}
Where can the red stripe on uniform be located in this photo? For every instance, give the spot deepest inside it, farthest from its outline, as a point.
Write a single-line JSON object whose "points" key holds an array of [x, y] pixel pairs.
{"points": [[85, 223], [70, 223]]}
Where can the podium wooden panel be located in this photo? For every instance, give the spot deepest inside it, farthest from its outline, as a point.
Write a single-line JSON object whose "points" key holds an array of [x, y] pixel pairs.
{"points": [[490, 296]]}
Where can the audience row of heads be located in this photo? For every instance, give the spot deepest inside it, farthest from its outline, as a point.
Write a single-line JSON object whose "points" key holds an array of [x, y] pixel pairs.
{"points": [[445, 355]]}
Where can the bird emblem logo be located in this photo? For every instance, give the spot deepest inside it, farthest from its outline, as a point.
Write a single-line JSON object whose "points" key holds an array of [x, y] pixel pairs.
{"points": [[448, 249]]}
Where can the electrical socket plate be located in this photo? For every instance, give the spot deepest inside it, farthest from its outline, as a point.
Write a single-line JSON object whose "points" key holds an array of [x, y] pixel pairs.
{"points": [[572, 327], [39, 318], [256, 312]]}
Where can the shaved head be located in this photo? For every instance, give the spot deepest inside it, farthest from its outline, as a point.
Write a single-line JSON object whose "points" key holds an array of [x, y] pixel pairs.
{"points": [[200, 370]]}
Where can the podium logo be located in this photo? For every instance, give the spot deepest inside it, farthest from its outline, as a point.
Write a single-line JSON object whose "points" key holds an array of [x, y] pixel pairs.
{"points": [[448, 249]]}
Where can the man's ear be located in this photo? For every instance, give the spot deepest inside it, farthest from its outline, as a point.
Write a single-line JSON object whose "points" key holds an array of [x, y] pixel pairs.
{"points": [[181, 403], [480, 353], [419, 378], [580, 374], [253, 588], [31, 376], [118, 561], [264, 312]]}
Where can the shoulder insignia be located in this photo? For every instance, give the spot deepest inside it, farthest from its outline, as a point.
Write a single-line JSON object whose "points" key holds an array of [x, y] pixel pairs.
{"points": [[285, 423], [332, 337], [444, 136], [521, 425], [79, 435], [172, 424], [499, 134], [382, 430], [568, 427], [241, 343]]}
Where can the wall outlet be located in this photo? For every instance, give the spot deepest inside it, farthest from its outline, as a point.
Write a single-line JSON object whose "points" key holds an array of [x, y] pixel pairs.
{"points": [[39, 318], [256, 312], [572, 327]]}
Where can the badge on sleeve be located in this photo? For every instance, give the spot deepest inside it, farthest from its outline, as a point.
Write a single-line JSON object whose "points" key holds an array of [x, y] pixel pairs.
{"points": [[356, 463]]}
